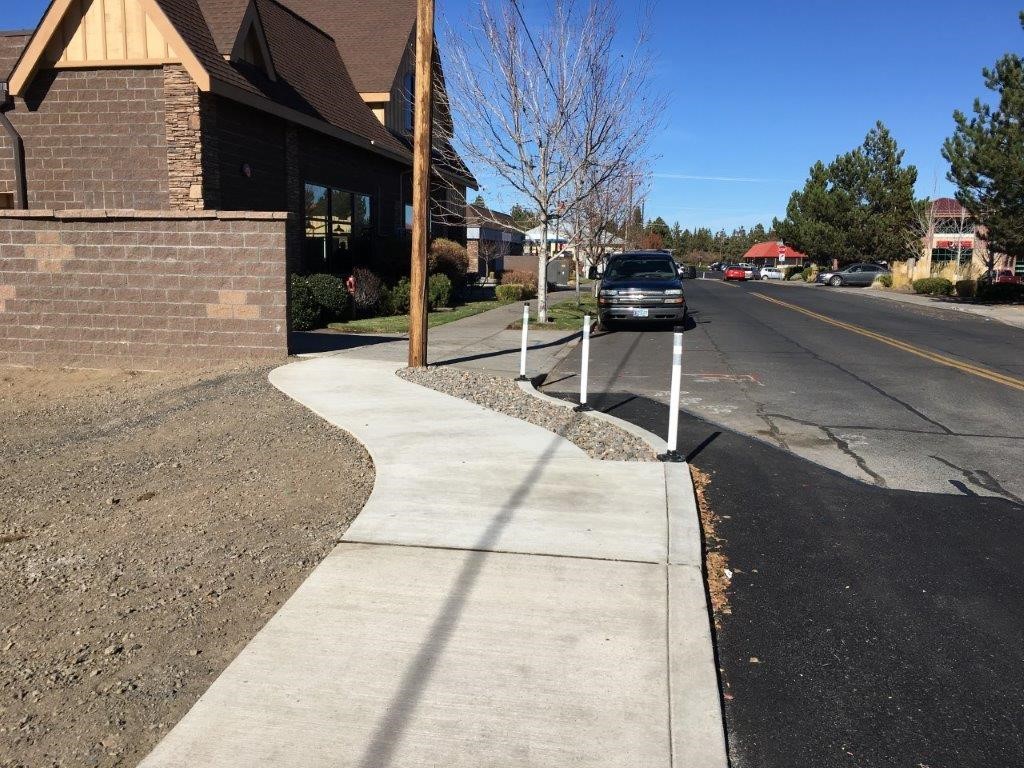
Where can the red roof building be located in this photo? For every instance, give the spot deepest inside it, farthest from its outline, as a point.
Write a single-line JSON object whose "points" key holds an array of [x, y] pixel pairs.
{"points": [[773, 252]]}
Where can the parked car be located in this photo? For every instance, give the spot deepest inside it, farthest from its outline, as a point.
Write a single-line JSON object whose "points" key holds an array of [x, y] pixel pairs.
{"points": [[752, 272], [687, 271], [735, 272], [771, 273], [1007, 277], [638, 286], [855, 274]]}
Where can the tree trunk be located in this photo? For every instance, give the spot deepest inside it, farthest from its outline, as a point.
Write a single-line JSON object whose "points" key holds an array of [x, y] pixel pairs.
{"points": [[542, 275]]}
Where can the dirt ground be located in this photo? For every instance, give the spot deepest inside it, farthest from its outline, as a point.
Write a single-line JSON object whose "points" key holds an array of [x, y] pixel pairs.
{"points": [[150, 524]]}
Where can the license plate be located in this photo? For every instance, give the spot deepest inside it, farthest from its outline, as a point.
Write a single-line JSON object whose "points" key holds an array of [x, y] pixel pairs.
{"points": [[637, 312]]}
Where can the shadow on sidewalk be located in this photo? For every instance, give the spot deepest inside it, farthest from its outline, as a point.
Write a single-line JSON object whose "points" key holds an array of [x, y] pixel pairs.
{"points": [[309, 342], [390, 730]]}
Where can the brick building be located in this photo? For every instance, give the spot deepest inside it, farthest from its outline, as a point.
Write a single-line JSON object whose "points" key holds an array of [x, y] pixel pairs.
{"points": [[124, 111], [491, 238]]}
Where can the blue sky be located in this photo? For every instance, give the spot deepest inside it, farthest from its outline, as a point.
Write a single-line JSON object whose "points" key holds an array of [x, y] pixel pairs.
{"points": [[757, 90]]}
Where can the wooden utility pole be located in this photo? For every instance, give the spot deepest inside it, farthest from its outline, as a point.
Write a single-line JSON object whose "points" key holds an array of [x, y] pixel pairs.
{"points": [[422, 139]]}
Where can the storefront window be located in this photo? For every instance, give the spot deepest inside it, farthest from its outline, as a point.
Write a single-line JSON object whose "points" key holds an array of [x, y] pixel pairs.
{"points": [[338, 229], [315, 250]]}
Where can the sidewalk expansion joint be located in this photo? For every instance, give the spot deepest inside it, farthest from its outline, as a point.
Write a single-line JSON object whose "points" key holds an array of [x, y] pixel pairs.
{"points": [[594, 558]]}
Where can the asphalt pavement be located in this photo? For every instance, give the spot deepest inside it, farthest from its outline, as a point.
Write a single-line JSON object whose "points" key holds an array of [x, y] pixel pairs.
{"points": [[871, 625], [912, 398]]}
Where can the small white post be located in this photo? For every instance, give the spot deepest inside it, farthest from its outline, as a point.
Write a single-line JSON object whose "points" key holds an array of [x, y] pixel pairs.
{"points": [[673, 415], [585, 365], [522, 352]]}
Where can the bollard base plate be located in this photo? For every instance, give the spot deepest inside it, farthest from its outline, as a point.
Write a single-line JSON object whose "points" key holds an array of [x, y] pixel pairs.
{"points": [[673, 456], [522, 378], [582, 408]]}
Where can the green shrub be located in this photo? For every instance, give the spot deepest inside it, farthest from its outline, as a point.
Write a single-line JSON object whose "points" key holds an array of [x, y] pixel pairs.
{"points": [[400, 296], [448, 258], [506, 293], [791, 271], [1000, 293], [332, 296], [807, 274], [439, 291], [370, 293], [884, 280], [304, 310], [966, 289], [933, 286]]}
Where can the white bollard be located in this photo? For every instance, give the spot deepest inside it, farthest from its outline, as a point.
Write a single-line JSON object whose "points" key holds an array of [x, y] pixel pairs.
{"points": [[673, 415], [522, 352], [585, 365]]}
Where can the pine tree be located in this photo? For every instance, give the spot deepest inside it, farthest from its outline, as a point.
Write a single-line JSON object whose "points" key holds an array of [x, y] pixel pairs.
{"points": [[986, 157]]}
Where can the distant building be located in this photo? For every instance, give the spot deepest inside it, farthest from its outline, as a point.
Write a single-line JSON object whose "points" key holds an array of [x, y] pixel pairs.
{"points": [[952, 245], [491, 237], [774, 253]]}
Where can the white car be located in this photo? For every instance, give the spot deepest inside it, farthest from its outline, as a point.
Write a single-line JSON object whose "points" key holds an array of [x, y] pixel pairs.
{"points": [[771, 273], [750, 271]]}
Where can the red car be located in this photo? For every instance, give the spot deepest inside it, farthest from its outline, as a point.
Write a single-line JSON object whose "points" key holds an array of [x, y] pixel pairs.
{"points": [[1007, 277], [735, 273]]}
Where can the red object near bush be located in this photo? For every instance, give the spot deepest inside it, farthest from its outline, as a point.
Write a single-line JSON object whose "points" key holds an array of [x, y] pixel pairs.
{"points": [[735, 273]]}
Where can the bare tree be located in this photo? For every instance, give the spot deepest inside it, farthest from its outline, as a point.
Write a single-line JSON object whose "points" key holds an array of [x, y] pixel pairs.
{"points": [[603, 212], [553, 111]]}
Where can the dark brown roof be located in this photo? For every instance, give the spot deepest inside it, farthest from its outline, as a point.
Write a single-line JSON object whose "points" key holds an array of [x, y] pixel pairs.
{"points": [[947, 207], [372, 35], [482, 216], [224, 18], [311, 77], [11, 45]]}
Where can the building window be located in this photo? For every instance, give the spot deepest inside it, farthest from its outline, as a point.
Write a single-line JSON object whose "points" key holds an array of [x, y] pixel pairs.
{"points": [[6, 200], [338, 229], [947, 254], [1018, 266]]}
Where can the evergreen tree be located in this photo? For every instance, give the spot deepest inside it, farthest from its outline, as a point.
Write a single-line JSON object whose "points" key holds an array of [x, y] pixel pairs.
{"points": [[860, 207], [986, 157], [479, 202]]}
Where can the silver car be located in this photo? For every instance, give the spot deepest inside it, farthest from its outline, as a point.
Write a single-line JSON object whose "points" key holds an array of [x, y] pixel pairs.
{"points": [[855, 274]]}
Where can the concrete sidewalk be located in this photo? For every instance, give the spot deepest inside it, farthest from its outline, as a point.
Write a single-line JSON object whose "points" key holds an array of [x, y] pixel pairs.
{"points": [[480, 342], [502, 600]]}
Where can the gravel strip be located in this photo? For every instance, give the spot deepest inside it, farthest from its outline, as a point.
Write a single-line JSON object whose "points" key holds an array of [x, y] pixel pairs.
{"points": [[599, 439]]}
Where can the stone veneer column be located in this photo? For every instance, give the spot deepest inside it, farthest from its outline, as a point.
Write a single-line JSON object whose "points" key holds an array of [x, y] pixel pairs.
{"points": [[184, 139]]}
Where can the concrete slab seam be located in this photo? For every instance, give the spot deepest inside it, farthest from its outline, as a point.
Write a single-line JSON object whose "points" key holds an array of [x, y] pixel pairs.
{"points": [[517, 552]]}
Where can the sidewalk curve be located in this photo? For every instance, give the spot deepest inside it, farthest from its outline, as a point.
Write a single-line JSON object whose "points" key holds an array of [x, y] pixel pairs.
{"points": [[502, 600]]}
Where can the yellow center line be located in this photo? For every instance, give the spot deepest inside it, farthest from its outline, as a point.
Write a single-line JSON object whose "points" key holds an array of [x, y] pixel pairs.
{"points": [[935, 357]]}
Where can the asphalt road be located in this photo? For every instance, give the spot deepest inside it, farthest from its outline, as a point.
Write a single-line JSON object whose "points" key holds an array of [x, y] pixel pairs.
{"points": [[870, 626], [851, 402]]}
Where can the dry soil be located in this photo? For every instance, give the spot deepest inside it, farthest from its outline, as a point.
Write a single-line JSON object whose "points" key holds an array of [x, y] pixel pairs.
{"points": [[150, 524]]}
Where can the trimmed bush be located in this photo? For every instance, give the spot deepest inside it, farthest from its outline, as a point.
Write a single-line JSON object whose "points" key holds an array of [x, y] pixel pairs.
{"points": [[791, 271], [933, 286], [884, 280], [439, 291], [966, 289], [304, 310], [370, 293], [448, 258], [807, 274], [332, 296], [1001, 293], [506, 293], [518, 277], [400, 296]]}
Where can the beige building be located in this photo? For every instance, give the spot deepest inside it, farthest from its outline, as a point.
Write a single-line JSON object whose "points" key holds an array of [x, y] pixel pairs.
{"points": [[951, 247]]}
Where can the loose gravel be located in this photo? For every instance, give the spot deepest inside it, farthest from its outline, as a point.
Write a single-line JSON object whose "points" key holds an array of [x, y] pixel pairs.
{"points": [[150, 524], [599, 439]]}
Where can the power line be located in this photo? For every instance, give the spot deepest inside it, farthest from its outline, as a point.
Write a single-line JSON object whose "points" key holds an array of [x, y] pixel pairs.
{"points": [[540, 59]]}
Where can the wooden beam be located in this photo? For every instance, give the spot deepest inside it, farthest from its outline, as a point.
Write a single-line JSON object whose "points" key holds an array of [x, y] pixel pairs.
{"points": [[422, 128]]}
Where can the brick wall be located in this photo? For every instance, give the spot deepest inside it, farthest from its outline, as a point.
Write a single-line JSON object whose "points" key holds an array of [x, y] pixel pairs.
{"points": [[138, 289], [93, 139], [246, 137]]}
